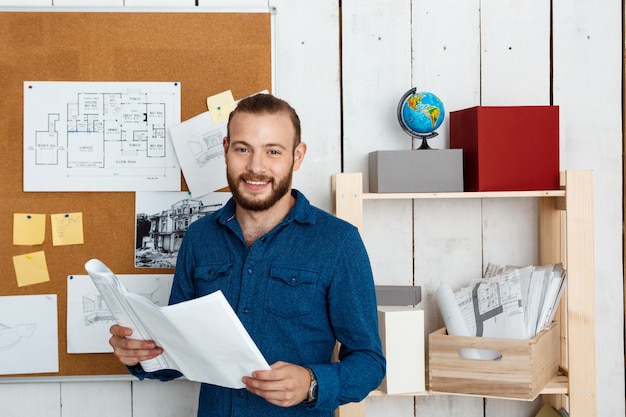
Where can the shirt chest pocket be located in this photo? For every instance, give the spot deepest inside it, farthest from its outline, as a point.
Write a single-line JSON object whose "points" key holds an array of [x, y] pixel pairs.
{"points": [[210, 278], [291, 291]]}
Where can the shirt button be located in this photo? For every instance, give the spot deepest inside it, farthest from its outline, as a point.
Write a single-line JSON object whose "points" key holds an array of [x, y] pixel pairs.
{"points": [[250, 271], [246, 310], [263, 240]]}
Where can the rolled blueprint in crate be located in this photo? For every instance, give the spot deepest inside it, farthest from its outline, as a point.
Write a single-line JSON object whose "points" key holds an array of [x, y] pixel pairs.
{"points": [[402, 335], [524, 369]]}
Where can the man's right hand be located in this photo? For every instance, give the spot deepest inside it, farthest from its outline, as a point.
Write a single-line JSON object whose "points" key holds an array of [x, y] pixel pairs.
{"points": [[130, 351]]}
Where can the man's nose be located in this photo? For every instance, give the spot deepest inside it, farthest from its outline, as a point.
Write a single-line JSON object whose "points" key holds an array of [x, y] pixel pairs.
{"points": [[256, 163]]}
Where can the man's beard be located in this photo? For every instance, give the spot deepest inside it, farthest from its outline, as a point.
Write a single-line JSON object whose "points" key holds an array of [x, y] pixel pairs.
{"points": [[256, 203]]}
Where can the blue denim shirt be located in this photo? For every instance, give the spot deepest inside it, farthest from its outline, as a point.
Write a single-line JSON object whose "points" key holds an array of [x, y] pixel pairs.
{"points": [[300, 287]]}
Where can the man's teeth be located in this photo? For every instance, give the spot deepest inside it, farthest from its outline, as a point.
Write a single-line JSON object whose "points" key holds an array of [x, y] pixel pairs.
{"points": [[256, 182]]}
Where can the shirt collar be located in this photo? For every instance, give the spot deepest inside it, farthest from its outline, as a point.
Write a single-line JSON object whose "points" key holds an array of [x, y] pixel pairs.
{"points": [[300, 212]]}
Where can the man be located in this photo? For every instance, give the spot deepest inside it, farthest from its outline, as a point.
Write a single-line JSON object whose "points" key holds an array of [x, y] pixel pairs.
{"points": [[298, 278]]}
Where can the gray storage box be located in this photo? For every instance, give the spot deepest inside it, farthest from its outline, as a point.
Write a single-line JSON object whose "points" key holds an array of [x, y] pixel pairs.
{"points": [[416, 171], [398, 295]]}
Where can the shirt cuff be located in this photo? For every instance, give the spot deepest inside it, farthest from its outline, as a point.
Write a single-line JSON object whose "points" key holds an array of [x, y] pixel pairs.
{"points": [[327, 387]]}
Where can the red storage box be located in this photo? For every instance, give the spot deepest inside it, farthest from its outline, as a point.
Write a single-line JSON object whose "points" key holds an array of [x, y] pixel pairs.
{"points": [[508, 148]]}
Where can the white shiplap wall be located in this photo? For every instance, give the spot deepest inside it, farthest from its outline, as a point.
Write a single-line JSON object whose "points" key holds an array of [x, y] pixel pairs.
{"points": [[587, 69], [490, 52]]}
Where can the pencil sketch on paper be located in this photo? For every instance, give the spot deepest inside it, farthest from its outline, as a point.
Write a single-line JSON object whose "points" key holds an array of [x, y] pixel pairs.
{"points": [[96, 312], [163, 219], [198, 142], [89, 318], [12, 334], [28, 334], [100, 136], [199, 147], [206, 147]]}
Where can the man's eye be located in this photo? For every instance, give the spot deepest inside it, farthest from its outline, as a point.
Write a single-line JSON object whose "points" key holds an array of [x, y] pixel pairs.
{"points": [[274, 152]]}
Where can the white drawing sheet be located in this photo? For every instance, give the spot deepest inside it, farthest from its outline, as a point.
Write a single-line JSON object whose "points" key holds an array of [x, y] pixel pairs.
{"points": [[199, 147], [198, 143], [28, 334], [89, 318], [100, 136]]}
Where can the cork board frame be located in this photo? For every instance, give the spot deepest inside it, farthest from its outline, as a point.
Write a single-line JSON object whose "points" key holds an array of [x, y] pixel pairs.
{"points": [[206, 52]]}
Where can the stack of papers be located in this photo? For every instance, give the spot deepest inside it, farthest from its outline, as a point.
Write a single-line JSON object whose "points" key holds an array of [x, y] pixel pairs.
{"points": [[202, 338], [542, 288], [507, 302], [488, 307]]}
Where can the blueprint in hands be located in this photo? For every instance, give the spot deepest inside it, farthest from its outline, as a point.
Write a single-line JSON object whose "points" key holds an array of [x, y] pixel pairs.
{"points": [[202, 338]]}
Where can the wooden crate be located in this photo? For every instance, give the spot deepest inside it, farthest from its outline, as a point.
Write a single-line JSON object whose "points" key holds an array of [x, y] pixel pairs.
{"points": [[524, 369]]}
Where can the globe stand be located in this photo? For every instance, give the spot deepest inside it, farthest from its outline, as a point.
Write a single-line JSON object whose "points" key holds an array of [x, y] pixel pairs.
{"points": [[424, 139], [436, 170]]}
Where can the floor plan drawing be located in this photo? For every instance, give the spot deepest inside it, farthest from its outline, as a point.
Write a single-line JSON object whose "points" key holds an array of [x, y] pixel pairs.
{"points": [[100, 136]]}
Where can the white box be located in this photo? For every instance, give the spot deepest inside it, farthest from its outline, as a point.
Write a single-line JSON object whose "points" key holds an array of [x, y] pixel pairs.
{"points": [[402, 334]]}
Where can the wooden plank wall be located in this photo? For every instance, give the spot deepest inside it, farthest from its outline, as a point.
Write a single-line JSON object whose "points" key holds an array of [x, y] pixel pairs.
{"points": [[484, 52], [588, 57], [460, 50]]}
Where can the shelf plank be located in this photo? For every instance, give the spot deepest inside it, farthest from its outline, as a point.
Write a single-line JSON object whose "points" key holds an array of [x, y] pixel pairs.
{"points": [[479, 194], [557, 385]]}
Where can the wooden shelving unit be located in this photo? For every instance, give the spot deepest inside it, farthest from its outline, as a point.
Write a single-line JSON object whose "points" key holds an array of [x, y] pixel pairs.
{"points": [[566, 236]]}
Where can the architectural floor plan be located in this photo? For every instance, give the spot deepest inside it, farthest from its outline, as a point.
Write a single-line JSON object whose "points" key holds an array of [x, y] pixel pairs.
{"points": [[100, 136]]}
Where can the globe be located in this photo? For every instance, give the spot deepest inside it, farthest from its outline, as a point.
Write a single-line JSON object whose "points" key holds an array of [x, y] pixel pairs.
{"points": [[420, 114]]}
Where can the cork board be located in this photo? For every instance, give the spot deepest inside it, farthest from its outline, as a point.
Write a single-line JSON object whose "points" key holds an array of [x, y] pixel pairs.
{"points": [[207, 52]]}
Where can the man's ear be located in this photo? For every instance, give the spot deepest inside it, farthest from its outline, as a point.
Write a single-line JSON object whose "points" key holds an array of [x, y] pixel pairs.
{"points": [[225, 145], [298, 155]]}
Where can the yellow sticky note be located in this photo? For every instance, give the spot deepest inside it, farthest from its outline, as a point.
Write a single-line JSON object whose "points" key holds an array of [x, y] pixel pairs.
{"points": [[67, 229], [31, 268], [29, 229], [220, 106]]}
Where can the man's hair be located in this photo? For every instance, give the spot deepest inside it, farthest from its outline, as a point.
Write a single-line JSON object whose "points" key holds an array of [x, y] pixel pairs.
{"points": [[267, 104]]}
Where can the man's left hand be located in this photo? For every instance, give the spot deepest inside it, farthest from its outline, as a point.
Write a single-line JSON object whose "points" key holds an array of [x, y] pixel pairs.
{"points": [[284, 385]]}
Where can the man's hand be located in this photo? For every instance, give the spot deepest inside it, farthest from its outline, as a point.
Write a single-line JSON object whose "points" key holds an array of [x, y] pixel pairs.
{"points": [[129, 351], [284, 385]]}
